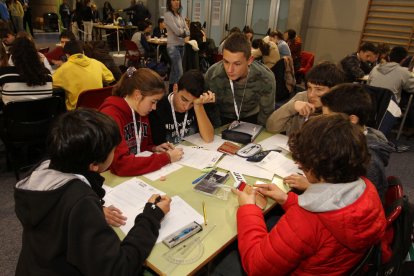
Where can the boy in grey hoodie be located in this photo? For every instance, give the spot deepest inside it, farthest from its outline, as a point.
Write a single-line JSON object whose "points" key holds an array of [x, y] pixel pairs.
{"points": [[392, 75]]}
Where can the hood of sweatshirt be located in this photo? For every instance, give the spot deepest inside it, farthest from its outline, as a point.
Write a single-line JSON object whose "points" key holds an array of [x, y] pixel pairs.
{"points": [[79, 59], [346, 209], [387, 67]]}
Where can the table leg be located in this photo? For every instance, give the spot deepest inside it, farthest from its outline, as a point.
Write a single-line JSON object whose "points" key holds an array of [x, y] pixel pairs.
{"points": [[117, 41]]}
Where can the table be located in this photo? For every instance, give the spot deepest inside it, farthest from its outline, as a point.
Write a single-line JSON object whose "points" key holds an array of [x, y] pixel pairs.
{"points": [[101, 27], [159, 42], [219, 212]]}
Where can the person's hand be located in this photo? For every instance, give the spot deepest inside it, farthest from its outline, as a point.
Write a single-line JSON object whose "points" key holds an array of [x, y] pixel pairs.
{"points": [[163, 202], [113, 216], [186, 39], [206, 97], [245, 197], [163, 147], [297, 181], [272, 191], [303, 108], [175, 154]]}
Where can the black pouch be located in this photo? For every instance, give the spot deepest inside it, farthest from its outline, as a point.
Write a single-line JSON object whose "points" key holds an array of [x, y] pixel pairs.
{"points": [[235, 136]]}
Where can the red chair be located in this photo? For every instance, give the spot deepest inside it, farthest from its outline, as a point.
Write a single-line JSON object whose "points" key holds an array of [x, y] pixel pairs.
{"points": [[94, 98], [306, 62], [44, 50], [131, 51]]}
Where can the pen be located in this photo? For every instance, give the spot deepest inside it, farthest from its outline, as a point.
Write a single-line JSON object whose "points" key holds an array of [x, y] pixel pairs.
{"points": [[182, 234], [195, 181], [158, 199], [204, 213]]}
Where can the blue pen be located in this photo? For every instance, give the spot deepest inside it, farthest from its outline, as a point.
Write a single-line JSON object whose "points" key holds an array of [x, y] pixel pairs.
{"points": [[198, 179], [183, 233]]}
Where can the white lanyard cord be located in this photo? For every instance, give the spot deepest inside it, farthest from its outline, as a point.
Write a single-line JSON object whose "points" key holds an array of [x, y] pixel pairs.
{"points": [[139, 134], [236, 109], [181, 135]]}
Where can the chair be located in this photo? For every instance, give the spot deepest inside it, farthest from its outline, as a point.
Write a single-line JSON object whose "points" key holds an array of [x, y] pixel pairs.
{"points": [[26, 125], [131, 52], [285, 79], [93, 98], [44, 50], [191, 58], [406, 110], [306, 62]]}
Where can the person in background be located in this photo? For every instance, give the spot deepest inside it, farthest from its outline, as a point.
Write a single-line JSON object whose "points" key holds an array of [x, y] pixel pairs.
{"points": [[358, 109], [232, 30], [95, 14], [267, 52], [295, 45], [4, 15], [138, 12], [57, 56], [27, 17], [283, 47], [249, 33], [107, 13], [334, 222], [64, 12], [383, 52], [16, 13], [391, 75], [134, 97], [7, 38], [69, 234], [178, 33], [80, 73], [87, 20], [245, 89], [27, 78], [182, 112], [140, 39], [291, 116], [360, 63], [160, 31]]}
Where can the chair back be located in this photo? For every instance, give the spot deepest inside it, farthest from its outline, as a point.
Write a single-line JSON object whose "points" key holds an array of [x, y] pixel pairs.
{"points": [[306, 61], [131, 51], [44, 50], [26, 126], [93, 98]]}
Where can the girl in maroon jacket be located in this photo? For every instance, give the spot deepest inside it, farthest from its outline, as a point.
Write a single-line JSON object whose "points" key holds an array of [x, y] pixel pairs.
{"points": [[329, 228], [134, 97]]}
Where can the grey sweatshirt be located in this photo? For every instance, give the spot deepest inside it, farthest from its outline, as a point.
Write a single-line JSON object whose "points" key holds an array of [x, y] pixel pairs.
{"points": [[176, 29]]}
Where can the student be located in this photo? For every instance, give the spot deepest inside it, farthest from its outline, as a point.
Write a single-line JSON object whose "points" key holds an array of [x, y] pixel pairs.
{"points": [[355, 102], [266, 51], [277, 37], [160, 31], [295, 45], [140, 39], [330, 227], [57, 56], [65, 232], [245, 89], [360, 64], [182, 112], [290, 116], [134, 97]]}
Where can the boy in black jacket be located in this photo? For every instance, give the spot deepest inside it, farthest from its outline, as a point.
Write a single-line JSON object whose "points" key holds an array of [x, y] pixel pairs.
{"points": [[64, 228]]}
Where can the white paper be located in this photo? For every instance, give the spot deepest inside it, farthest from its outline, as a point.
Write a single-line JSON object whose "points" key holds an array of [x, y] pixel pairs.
{"points": [[199, 158], [145, 153], [278, 182], [240, 165], [130, 197], [107, 189], [394, 109], [279, 164], [196, 140], [275, 141], [164, 171]]}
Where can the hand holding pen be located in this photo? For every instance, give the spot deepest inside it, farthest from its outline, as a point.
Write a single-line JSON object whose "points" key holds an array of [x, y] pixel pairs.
{"points": [[164, 147], [163, 202]]}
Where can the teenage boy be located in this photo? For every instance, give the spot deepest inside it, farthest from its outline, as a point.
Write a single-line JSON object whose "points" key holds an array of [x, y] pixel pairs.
{"points": [[245, 89], [290, 116], [57, 56], [182, 112], [360, 63], [64, 228], [355, 102]]}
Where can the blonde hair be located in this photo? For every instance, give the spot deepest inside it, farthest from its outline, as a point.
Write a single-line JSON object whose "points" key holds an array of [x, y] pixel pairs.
{"points": [[145, 80]]}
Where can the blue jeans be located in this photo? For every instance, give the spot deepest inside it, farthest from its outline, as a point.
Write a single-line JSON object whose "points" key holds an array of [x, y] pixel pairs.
{"points": [[176, 56]]}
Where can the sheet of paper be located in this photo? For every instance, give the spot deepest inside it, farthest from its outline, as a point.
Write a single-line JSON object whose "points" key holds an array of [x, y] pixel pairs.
{"points": [[196, 140], [166, 170], [107, 189], [240, 165], [279, 164], [275, 141], [278, 182], [199, 158], [130, 197]]}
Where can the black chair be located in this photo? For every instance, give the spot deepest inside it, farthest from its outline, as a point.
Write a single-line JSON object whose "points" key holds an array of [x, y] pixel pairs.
{"points": [[26, 125], [191, 59]]}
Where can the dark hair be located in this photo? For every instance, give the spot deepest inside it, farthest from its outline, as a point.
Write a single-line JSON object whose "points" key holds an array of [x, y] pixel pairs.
{"points": [[277, 34], [263, 46], [28, 63], [397, 54], [193, 82], [73, 47], [108, 5], [4, 61], [169, 7], [142, 25], [79, 138], [325, 73], [291, 33], [4, 32], [248, 30], [237, 42], [351, 99], [368, 46], [331, 148], [67, 34], [160, 20], [143, 79]]}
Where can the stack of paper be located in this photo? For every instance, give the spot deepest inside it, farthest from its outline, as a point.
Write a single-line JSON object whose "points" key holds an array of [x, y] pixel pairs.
{"points": [[279, 164], [199, 158]]}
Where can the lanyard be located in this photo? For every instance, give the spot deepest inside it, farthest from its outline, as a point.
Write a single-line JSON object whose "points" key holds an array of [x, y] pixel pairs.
{"points": [[236, 109], [180, 135], [139, 134]]}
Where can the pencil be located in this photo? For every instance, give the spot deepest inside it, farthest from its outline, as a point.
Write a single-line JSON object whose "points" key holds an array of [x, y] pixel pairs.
{"points": [[204, 213]]}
